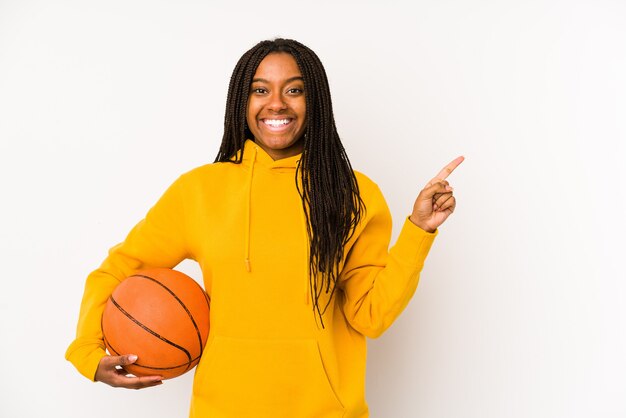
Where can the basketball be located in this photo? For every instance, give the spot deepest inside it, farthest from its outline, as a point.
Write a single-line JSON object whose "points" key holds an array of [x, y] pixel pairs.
{"points": [[162, 316]]}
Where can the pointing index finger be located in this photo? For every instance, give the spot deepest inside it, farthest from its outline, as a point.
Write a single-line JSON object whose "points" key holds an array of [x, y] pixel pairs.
{"points": [[447, 170]]}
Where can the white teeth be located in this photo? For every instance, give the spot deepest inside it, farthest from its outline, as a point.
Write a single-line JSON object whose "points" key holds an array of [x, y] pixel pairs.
{"points": [[276, 122]]}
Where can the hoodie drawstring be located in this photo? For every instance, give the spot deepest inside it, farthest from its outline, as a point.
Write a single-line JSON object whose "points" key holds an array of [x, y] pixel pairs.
{"points": [[307, 246], [247, 228]]}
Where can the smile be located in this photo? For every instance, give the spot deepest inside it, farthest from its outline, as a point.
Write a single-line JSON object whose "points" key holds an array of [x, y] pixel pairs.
{"points": [[276, 123]]}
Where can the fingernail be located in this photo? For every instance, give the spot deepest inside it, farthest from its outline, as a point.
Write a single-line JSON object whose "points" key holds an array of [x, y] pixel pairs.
{"points": [[449, 188], [132, 357]]}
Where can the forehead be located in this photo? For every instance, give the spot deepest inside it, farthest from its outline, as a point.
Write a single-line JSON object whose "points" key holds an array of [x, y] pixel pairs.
{"points": [[278, 66]]}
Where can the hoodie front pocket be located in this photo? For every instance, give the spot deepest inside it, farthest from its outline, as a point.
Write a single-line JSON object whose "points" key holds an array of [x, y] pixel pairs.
{"points": [[265, 378]]}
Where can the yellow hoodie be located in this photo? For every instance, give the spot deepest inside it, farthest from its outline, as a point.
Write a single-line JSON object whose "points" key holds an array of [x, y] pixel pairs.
{"points": [[266, 356]]}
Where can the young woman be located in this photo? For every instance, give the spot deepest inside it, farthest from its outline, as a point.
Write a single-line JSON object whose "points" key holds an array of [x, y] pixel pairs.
{"points": [[293, 247]]}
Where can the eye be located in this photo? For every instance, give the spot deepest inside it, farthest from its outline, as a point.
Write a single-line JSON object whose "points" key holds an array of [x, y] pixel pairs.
{"points": [[258, 90], [295, 90]]}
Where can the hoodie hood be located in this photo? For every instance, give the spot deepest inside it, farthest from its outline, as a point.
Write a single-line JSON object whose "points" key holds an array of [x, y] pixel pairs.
{"points": [[254, 155]]}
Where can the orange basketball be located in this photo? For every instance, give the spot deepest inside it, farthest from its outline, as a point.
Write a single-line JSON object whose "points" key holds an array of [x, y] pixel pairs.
{"points": [[162, 316]]}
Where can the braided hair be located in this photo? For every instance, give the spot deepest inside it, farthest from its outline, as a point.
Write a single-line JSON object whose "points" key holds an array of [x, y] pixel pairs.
{"points": [[324, 178]]}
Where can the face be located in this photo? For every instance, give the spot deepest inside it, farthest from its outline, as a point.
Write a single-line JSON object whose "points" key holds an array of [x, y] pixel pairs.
{"points": [[276, 112]]}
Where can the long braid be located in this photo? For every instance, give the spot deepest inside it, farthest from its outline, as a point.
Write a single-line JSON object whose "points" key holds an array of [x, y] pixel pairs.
{"points": [[326, 183]]}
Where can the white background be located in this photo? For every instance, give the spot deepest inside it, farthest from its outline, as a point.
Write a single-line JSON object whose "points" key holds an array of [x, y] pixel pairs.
{"points": [[521, 309]]}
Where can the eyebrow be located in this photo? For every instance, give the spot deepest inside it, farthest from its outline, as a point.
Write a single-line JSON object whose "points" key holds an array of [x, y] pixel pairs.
{"points": [[289, 80]]}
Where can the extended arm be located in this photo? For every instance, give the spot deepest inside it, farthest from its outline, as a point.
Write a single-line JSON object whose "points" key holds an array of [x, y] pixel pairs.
{"points": [[378, 283]]}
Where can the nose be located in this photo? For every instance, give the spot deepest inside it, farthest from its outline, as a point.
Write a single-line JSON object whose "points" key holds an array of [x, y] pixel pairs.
{"points": [[277, 102]]}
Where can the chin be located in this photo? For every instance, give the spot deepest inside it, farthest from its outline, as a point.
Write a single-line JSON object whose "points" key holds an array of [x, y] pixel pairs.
{"points": [[279, 144]]}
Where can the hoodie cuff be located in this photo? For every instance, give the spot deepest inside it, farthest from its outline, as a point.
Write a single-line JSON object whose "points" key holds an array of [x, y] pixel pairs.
{"points": [[86, 357], [413, 243]]}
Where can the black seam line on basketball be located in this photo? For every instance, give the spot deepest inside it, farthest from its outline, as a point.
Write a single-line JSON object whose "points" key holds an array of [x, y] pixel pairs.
{"points": [[106, 341], [114, 351], [111, 348], [144, 366], [129, 316], [180, 302], [207, 298]]}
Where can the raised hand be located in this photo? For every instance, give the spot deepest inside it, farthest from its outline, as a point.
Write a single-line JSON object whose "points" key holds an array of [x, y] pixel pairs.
{"points": [[435, 202], [109, 373]]}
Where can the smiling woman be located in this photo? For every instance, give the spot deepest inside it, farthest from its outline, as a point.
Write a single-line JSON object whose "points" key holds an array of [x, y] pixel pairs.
{"points": [[293, 247], [276, 108]]}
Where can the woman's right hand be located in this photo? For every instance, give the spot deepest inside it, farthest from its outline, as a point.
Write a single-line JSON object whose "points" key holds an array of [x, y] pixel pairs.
{"points": [[109, 373]]}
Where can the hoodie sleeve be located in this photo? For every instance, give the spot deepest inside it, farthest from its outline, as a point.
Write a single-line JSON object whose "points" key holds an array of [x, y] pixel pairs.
{"points": [[156, 241], [378, 283]]}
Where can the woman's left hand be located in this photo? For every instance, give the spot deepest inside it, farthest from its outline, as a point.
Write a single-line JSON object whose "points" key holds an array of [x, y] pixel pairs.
{"points": [[435, 202]]}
